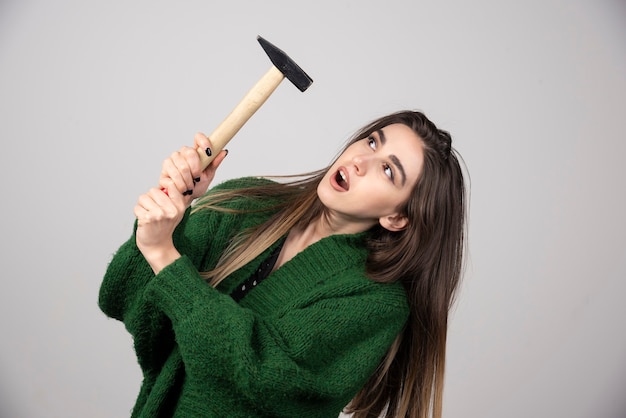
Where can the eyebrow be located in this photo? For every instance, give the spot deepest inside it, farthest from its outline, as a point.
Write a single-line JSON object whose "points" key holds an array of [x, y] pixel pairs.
{"points": [[392, 157]]}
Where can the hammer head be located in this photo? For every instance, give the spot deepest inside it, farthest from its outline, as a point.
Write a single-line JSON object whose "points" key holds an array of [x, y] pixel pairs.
{"points": [[290, 69]]}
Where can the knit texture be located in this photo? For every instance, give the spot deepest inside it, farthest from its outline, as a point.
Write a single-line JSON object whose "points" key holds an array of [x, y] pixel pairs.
{"points": [[301, 344]]}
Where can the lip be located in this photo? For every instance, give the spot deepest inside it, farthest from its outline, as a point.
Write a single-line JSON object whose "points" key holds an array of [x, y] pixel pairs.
{"points": [[346, 176]]}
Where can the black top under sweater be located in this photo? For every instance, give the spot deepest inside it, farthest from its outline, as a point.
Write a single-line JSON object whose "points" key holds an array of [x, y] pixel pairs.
{"points": [[258, 276]]}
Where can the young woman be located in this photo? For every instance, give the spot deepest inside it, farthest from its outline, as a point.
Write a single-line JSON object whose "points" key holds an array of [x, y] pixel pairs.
{"points": [[297, 298]]}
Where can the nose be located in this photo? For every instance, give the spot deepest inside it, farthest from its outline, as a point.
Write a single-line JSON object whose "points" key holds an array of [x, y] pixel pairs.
{"points": [[361, 164]]}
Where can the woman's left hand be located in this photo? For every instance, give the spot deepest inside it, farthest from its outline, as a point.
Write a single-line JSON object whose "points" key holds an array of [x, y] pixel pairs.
{"points": [[184, 169]]}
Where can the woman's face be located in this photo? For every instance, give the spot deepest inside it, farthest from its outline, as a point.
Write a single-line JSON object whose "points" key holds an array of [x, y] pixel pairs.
{"points": [[373, 178]]}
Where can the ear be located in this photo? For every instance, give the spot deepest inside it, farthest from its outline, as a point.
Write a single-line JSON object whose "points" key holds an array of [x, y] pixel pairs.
{"points": [[394, 223]]}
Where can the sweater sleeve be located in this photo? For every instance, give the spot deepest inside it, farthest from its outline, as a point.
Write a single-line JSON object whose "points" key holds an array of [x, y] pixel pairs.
{"points": [[128, 272], [121, 297], [200, 237], [321, 349], [126, 276]]}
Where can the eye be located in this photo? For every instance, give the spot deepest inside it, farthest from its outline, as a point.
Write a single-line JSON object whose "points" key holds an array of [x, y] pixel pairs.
{"points": [[371, 141], [388, 171]]}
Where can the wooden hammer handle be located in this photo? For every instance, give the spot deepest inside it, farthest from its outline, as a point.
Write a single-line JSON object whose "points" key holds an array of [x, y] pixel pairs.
{"points": [[253, 100]]}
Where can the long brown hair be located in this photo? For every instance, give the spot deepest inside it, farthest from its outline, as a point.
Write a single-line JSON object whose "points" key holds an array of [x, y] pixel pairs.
{"points": [[426, 257]]}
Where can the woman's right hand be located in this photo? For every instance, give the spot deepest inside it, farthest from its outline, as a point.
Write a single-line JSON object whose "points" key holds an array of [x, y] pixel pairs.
{"points": [[184, 169], [158, 212]]}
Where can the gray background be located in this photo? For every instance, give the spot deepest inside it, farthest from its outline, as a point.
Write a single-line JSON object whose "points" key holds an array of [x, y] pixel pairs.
{"points": [[93, 95]]}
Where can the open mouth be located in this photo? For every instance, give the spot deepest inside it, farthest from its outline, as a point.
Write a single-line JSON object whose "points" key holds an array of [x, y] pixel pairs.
{"points": [[340, 178]]}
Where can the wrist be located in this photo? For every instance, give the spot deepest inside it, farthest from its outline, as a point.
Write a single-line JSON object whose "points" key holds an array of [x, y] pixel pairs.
{"points": [[159, 258]]}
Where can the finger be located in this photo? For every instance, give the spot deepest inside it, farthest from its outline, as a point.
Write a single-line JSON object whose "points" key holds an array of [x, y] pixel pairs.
{"points": [[166, 192], [218, 160], [145, 202], [207, 176], [174, 201], [155, 206], [140, 212], [204, 146], [203, 142], [178, 168], [194, 164], [145, 207]]}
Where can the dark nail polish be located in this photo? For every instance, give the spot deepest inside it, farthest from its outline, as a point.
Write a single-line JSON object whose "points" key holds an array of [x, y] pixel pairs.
{"points": [[208, 152], [187, 192], [226, 151], [196, 180]]}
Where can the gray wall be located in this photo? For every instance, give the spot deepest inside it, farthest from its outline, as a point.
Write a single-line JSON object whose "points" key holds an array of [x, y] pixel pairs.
{"points": [[93, 95]]}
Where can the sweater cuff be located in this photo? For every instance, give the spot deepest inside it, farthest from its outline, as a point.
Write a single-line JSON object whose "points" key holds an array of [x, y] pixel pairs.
{"points": [[178, 290]]}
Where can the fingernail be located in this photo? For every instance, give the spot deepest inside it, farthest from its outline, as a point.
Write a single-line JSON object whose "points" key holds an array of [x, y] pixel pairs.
{"points": [[226, 151], [187, 192], [196, 180], [208, 152]]}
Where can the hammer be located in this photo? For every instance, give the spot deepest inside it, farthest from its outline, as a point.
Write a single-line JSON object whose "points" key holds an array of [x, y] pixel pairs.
{"points": [[283, 67]]}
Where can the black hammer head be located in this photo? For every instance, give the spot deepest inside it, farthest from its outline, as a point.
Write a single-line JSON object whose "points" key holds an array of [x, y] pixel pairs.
{"points": [[290, 69]]}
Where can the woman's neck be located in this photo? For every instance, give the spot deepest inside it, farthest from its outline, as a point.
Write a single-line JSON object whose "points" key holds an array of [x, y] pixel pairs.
{"points": [[300, 238], [297, 240]]}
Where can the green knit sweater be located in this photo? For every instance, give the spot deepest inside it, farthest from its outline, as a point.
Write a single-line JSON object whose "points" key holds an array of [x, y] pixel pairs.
{"points": [[300, 344]]}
